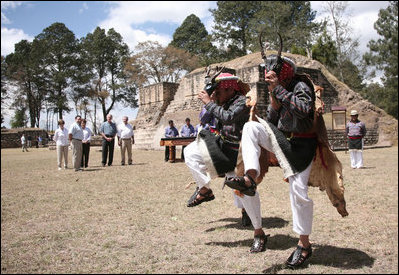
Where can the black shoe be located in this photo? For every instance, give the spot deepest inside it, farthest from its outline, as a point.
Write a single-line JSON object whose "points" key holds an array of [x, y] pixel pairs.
{"points": [[194, 201], [245, 220], [193, 196], [238, 183], [259, 244], [296, 259]]}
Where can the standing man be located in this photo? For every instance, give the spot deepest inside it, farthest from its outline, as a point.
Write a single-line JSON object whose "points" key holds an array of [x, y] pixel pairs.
{"points": [[85, 144], [108, 131], [355, 131], [29, 141], [125, 140], [170, 131], [186, 131], [75, 139], [23, 142]]}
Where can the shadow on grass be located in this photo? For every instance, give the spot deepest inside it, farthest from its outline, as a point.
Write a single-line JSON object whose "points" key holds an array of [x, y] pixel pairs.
{"points": [[367, 167], [134, 164], [270, 222], [91, 169], [276, 242], [331, 256], [139, 163]]}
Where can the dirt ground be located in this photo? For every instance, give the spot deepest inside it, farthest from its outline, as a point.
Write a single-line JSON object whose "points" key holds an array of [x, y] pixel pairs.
{"points": [[134, 219]]}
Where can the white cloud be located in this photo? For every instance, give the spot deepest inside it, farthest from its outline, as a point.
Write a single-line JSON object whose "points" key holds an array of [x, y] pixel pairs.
{"points": [[9, 37], [84, 7], [5, 5], [363, 15], [126, 17], [10, 4]]}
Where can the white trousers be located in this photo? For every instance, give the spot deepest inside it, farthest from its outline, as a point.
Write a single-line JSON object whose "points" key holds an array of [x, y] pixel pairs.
{"points": [[62, 151], [196, 164], [356, 158], [255, 136]]}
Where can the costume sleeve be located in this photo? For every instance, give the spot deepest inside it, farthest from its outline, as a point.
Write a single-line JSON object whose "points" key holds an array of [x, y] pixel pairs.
{"points": [[228, 116], [299, 102], [272, 115]]}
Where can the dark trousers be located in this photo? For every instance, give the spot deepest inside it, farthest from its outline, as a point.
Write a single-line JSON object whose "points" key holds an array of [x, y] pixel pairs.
{"points": [[108, 147], [167, 152], [85, 154]]}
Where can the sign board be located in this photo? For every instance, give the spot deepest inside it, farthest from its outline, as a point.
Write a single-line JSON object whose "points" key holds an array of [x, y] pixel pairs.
{"points": [[338, 118]]}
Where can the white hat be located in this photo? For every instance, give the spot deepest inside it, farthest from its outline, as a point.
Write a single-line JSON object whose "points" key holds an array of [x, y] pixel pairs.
{"points": [[354, 113]]}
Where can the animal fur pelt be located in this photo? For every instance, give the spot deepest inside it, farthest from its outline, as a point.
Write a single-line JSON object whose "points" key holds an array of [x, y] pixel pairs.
{"points": [[326, 170]]}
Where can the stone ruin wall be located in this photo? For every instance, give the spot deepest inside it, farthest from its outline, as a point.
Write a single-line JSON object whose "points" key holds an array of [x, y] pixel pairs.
{"points": [[180, 101], [11, 138]]}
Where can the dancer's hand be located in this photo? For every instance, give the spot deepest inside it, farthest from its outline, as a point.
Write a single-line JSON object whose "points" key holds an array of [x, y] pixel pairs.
{"points": [[205, 98], [272, 79], [273, 102]]}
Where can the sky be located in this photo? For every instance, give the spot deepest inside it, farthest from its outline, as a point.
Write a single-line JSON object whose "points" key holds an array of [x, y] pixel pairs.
{"points": [[139, 21]]}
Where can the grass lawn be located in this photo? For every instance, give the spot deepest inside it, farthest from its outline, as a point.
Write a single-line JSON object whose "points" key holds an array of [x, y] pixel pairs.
{"points": [[134, 219]]}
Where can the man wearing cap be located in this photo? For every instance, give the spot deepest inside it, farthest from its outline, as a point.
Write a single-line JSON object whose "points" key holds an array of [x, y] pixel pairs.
{"points": [[355, 131], [214, 152], [288, 133]]}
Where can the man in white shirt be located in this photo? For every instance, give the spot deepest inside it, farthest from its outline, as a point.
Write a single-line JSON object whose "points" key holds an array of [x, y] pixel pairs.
{"points": [[23, 142], [76, 137], [62, 144], [125, 140]]}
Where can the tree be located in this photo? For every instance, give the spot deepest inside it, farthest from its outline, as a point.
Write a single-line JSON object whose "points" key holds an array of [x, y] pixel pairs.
{"points": [[153, 63], [61, 60], [346, 43], [325, 51], [26, 70], [384, 55], [238, 25], [232, 25], [19, 119], [292, 19], [352, 75], [4, 94], [107, 54], [194, 38]]}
